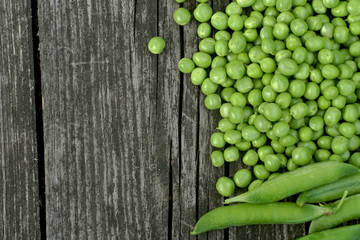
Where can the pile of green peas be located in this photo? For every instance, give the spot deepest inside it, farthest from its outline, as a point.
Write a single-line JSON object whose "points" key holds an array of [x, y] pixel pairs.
{"points": [[284, 76]]}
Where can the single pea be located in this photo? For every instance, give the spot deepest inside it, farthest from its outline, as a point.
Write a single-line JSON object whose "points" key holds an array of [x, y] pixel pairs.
{"points": [[309, 145], [314, 44], [261, 107], [231, 154], [268, 94], [354, 143], [291, 165], [285, 17], [258, 6], [300, 12], [288, 140], [339, 102], [198, 75], [313, 108], [324, 142], [218, 75], [272, 112], [325, 56], [219, 21], [340, 10], [235, 22], [341, 34], [244, 84], [312, 91], [186, 65], [243, 56], [204, 30], [225, 125], [316, 123], [286, 117], [332, 131], [202, 59], [355, 49], [248, 111], [236, 115], [213, 101], [278, 148], [281, 129], [339, 144], [217, 140], [327, 30], [221, 48], [222, 35], [156, 45], [261, 123], [272, 163], [315, 76], [299, 55], [355, 28], [298, 26], [330, 92], [353, 7], [282, 54], [261, 172], [252, 22], [314, 23], [299, 110], [268, 65], [250, 133], [271, 11], [283, 5], [218, 62], [233, 8], [255, 97], [245, 3], [280, 31], [217, 158], [288, 67], [263, 151], [289, 150], [350, 113], [347, 129], [243, 145], [269, 3], [352, 98], [250, 158], [260, 141], [301, 156], [238, 99], [207, 45], [283, 100], [182, 16], [242, 178], [226, 93], [303, 71], [256, 54], [254, 70], [268, 21], [297, 88], [235, 69], [355, 159], [346, 87], [297, 123], [322, 155], [305, 134], [225, 186], [208, 87], [332, 116], [330, 71], [237, 44]]}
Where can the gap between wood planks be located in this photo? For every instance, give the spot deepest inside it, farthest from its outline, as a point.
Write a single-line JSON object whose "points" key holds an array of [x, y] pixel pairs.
{"points": [[39, 118]]}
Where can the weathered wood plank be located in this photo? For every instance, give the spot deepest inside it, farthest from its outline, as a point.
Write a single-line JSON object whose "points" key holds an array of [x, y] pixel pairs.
{"points": [[110, 118], [19, 189]]}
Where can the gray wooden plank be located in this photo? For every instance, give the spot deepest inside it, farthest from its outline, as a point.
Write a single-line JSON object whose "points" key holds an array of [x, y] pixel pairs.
{"points": [[110, 118], [19, 189]]}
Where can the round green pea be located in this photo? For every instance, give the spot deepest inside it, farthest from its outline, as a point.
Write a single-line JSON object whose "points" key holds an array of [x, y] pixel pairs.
{"points": [[245, 3], [236, 115], [203, 12], [355, 159], [209, 87], [186, 65], [272, 163], [213, 101], [202, 59], [219, 21], [261, 172], [283, 100], [250, 158], [272, 112], [225, 110], [204, 30], [235, 69], [217, 140], [225, 186], [217, 158], [242, 178], [182, 16], [339, 144], [301, 156], [299, 110], [156, 45], [350, 113], [198, 75], [231, 154]]}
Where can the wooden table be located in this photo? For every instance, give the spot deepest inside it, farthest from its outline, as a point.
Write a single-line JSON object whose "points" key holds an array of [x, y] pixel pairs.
{"points": [[99, 139]]}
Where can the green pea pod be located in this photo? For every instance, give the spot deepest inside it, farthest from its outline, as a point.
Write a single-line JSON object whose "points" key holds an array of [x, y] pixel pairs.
{"points": [[344, 233], [299, 180], [331, 191], [248, 214], [349, 210]]}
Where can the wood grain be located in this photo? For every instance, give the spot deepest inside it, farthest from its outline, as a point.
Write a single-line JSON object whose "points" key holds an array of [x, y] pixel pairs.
{"points": [[19, 204]]}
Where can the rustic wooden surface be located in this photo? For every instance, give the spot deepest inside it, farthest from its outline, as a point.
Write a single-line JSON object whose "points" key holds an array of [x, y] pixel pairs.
{"points": [[19, 200], [126, 136]]}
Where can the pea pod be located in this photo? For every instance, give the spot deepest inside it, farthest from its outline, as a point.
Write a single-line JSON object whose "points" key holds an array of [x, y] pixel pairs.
{"points": [[345, 233], [299, 180], [349, 210], [331, 191], [248, 214]]}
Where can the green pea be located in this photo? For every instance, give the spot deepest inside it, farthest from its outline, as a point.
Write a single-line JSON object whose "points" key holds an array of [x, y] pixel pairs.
{"points": [[310, 57], [268, 94], [299, 110], [208, 87], [280, 30], [298, 26], [233, 9], [297, 123], [250, 133], [300, 12], [254, 184], [305, 134], [325, 56], [283, 100], [314, 23], [315, 76], [288, 67], [204, 30], [318, 6], [228, 83], [332, 131], [213, 101], [299, 55], [231, 154], [222, 35], [186, 65], [339, 102], [350, 113], [355, 159], [218, 75], [243, 145], [256, 54], [324, 142], [262, 124], [281, 129], [225, 109], [217, 158], [207, 45], [236, 115], [217, 140], [245, 3], [301, 156], [322, 155], [258, 6], [287, 141], [297, 88], [278, 148], [182, 16], [244, 84], [272, 163], [340, 10], [330, 71], [341, 34], [352, 98], [260, 141], [202, 59], [219, 21], [293, 42], [316, 123], [330, 92], [346, 87], [314, 44], [225, 186], [242, 178], [254, 70], [238, 99], [347, 129], [156, 45], [198, 75], [291, 166], [332, 116], [303, 71], [283, 5], [243, 56], [261, 172], [355, 28], [268, 45], [327, 30], [251, 35], [218, 62], [226, 125], [271, 11], [250, 158], [235, 22], [235, 69], [264, 151], [282, 55], [255, 97], [339, 144], [221, 48], [268, 65]]}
